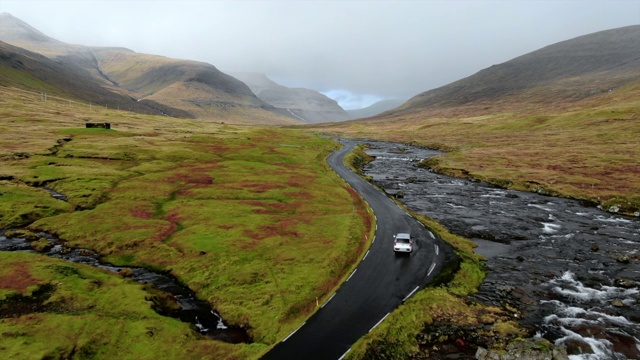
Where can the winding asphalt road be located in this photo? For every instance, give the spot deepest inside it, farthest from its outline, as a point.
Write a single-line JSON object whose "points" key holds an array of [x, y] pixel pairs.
{"points": [[381, 282]]}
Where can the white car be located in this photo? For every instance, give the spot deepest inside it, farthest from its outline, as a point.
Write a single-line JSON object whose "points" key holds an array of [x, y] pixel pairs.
{"points": [[403, 243]]}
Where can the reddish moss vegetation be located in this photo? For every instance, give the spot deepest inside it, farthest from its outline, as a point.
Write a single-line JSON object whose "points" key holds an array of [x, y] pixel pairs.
{"points": [[193, 176], [17, 277]]}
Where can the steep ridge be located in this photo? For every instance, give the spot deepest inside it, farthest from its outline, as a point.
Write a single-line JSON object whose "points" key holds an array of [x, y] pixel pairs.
{"points": [[174, 87], [567, 71], [308, 105]]}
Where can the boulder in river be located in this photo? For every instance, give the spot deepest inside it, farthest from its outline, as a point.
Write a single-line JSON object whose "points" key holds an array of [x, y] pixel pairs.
{"points": [[623, 258], [625, 283]]}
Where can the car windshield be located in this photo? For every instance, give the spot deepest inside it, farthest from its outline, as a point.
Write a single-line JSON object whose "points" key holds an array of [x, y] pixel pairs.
{"points": [[402, 241]]}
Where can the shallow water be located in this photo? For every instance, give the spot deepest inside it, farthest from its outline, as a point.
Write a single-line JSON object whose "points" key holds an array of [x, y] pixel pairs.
{"points": [[192, 310], [558, 261]]}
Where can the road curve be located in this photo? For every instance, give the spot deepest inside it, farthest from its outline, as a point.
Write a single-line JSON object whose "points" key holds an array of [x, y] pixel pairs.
{"points": [[380, 283]]}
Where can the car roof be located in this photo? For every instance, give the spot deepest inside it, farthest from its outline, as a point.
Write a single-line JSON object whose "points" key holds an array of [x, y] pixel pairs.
{"points": [[403, 236]]}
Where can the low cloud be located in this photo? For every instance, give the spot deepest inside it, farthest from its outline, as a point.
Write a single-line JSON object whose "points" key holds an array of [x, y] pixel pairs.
{"points": [[368, 50], [350, 101]]}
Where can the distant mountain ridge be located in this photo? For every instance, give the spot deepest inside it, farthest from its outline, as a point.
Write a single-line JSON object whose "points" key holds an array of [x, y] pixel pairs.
{"points": [[375, 109], [173, 87], [570, 70], [308, 105]]}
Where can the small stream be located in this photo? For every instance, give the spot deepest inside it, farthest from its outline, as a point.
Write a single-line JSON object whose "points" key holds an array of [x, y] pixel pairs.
{"points": [[570, 268], [192, 310]]}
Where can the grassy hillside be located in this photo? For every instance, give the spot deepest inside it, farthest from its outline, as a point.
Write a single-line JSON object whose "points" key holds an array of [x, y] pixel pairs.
{"points": [[571, 130], [121, 78], [34, 72], [562, 120], [250, 218], [587, 150], [571, 70]]}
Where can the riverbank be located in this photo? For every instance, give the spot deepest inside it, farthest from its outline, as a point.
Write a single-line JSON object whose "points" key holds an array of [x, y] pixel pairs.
{"points": [[545, 256]]}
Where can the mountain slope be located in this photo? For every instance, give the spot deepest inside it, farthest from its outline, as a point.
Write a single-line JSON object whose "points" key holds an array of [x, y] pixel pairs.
{"points": [[308, 105], [569, 71], [563, 120], [24, 69], [175, 87], [375, 109]]}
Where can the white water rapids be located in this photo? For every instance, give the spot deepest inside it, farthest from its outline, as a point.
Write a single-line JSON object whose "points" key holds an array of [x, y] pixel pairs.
{"points": [[571, 269]]}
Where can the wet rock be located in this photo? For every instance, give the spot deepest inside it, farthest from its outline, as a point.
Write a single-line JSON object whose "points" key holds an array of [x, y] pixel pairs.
{"points": [[625, 345], [503, 289], [595, 247], [587, 203], [577, 346], [623, 259], [85, 252], [485, 235], [520, 258], [614, 209], [617, 303], [625, 283], [125, 272]]}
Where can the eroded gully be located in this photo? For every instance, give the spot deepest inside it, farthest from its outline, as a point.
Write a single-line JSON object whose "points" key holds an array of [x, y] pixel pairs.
{"points": [[569, 268]]}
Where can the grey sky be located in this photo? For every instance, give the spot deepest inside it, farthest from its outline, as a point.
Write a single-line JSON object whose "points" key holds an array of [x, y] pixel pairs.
{"points": [[357, 52]]}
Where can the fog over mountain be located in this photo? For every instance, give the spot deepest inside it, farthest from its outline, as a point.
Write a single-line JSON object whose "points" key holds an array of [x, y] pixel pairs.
{"points": [[119, 77], [307, 105], [356, 52], [375, 109]]}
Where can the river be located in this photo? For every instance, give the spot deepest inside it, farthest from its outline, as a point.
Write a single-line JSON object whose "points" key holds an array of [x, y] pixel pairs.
{"points": [[569, 268]]}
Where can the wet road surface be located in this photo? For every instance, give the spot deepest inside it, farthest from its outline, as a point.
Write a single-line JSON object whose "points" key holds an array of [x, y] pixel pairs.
{"points": [[380, 283]]}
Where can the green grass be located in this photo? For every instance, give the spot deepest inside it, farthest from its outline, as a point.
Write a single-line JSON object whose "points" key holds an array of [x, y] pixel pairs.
{"points": [[21, 78], [89, 314], [250, 218], [21, 204]]}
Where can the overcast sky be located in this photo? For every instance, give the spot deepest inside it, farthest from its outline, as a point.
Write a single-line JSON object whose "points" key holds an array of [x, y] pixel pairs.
{"points": [[356, 52]]}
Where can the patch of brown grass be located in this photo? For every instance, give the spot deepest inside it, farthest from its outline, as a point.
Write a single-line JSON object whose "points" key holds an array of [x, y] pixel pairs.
{"points": [[17, 277]]}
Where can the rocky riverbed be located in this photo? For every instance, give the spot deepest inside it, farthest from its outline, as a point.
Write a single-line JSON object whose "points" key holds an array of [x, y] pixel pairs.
{"points": [[569, 269]]}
